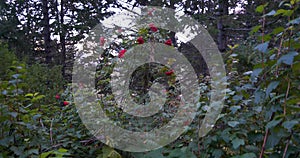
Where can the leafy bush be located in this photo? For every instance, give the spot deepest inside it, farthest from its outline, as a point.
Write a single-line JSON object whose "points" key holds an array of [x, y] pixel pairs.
{"points": [[260, 117], [47, 81]]}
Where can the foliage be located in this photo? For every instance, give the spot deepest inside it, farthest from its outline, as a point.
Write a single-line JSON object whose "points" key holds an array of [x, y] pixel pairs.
{"points": [[33, 124], [6, 58], [45, 80], [260, 118]]}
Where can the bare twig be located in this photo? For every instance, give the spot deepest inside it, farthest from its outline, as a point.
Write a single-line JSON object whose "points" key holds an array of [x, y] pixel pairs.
{"points": [[264, 144], [263, 40], [51, 134], [265, 139], [286, 96], [287, 145], [238, 29], [278, 53], [42, 124]]}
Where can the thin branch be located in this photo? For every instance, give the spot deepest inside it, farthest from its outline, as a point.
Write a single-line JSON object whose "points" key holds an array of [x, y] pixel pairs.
{"points": [[264, 144], [42, 124], [287, 145], [265, 139], [286, 96], [51, 135], [263, 40], [238, 29], [53, 146], [125, 8]]}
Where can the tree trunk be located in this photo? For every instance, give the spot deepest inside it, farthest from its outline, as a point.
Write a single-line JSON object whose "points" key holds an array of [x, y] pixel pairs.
{"points": [[221, 40], [62, 38], [195, 58], [222, 12], [46, 31]]}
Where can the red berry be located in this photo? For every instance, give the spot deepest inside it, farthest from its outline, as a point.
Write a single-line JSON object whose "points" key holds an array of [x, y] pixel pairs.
{"points": [[57, 96], [140, 40], [122, 53], [153, 28], [65, 103], [168, 73], [102, 41], [168, 42]]}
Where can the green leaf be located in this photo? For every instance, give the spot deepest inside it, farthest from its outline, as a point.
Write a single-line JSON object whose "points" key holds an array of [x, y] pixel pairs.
{"points": [[290, 124], [280, 11], [46, 154], [13, 114], [16, 76], [261, 8], [255, 29], [181, 153], [284, 12], [33, 151], [252, 148], [225, 135], [236, 143], [247, 155], [281, 3], [7, 141], [287, 58], [255, 74], [237, 98], [262, 47], [155, 153], [29, 95], [61, 152], [234, 109], [296, 69], [4, 92], [233, 123], [277, 30], [292, 2], [17, 150], [35, 117], [271, 13], [275, 136], [294, 22], [217, 153], [273, 85], [259, 96], [273, 123], [258, 109]]}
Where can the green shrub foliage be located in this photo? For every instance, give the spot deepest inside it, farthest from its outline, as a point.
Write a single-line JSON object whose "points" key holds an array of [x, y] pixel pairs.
{"points": [[261, 117]]}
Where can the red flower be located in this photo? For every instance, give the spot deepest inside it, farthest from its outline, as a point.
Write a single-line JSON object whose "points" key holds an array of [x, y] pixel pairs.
{"points": [[65, 103], [120, 30], [150, 12], [168, 42], [186, 123], [57, 96], [169, 73], [80, 85], [102, 41], [140, 40], [122, 53], [153, 28]]}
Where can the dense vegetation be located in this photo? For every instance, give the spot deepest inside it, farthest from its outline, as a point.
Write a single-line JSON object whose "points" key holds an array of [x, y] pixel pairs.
{"points": [[260, 45]]}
